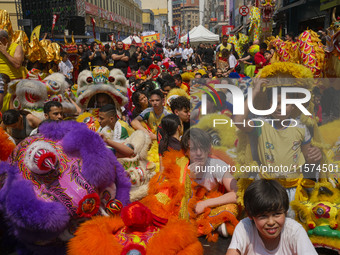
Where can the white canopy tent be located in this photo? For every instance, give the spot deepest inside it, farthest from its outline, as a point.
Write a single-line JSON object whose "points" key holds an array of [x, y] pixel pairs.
{"points": [[200, 34], [129, 39]]}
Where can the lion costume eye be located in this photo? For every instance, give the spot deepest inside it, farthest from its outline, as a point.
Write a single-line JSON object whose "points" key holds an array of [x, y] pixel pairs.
{"points": [[53, 85], [89, 79], [111, 79], [41, 158]]}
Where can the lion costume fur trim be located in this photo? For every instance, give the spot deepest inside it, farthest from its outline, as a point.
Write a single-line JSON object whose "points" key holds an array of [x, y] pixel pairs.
{"points": [[6, 145]]}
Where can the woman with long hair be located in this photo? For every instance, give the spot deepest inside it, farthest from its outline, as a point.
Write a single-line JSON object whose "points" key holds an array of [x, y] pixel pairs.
{"points": [[140, 101], [168, 135], [84, 58]]}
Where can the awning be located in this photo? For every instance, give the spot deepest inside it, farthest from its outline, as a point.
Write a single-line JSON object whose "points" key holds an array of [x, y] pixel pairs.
{"points": [[327, 4], [300, 2]]}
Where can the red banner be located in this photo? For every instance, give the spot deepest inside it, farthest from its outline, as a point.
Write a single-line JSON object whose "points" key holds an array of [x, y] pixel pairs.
{"points": [[93, 21], [55, 19], [227, 29]]}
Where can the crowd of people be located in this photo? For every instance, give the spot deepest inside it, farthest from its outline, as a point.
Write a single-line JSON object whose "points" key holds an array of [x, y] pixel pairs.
{"points": [[150, 80]]}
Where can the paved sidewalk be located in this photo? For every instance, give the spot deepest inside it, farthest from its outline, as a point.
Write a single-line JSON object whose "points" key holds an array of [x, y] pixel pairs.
{"points": [[218, 248]]}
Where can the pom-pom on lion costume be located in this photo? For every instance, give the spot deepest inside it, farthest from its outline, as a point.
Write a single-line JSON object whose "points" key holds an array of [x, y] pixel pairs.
{"points": [[56, 180]]}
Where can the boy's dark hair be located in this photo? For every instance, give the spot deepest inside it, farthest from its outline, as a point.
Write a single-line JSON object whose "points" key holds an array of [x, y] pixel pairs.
{"points": [[10, 117], [50, 104], [199, 139], [109, 109], [263, 46], [168, 83], [263, 196], [157, 92], [179, 103], [178, 77], [267, 51], [143, 68], [63, 54], [146, 86]]}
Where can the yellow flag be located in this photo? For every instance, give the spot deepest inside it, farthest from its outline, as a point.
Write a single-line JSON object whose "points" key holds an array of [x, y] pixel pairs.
{"points": [[280, 32], [36, 32], [98, 42]]}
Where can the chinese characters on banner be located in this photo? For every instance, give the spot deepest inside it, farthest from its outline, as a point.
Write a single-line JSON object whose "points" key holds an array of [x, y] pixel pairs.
{"points": [[150, 40]]}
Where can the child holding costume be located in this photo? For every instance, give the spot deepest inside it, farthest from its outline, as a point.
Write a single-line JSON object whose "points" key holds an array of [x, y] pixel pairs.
{"points": [[266, 230], [216, 209]]}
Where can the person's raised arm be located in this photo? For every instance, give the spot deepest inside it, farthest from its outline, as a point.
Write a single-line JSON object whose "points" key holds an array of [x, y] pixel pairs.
{"points": [[33, 121], [312, 154], [18, 57], [103, 55], [137, 125], [122, 150], [242, 121], [91, 56]]}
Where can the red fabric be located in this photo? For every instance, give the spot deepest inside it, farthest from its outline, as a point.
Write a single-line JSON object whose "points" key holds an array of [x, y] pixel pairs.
{"points": [[319, 113], [258, 58]]}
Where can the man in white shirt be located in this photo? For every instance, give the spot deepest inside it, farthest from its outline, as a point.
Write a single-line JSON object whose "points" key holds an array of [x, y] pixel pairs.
{"points": [[65, 66], [166, 51], [190, 53], [177, 53], [185, 52]]}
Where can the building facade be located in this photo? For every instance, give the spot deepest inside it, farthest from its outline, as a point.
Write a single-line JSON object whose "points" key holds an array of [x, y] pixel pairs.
{"points": [[148, 20], [185, 13], [121, 18], [161, 22], [161, 17], [9, 6]]}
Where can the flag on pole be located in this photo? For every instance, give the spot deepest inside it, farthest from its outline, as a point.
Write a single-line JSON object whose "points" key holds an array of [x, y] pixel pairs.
{"points": [[178, 35], [188, 39], [36, 33], [280, 32], [93, 21], [55, 19]]}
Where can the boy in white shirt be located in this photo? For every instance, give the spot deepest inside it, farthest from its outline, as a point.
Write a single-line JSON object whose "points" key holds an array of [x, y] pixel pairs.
{"points": [[267, 231], [65, 66]]}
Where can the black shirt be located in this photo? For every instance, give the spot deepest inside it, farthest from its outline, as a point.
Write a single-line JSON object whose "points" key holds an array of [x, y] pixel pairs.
{"points": [[121, 63], [97, 60], [84, 61], [208, 55]]}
